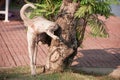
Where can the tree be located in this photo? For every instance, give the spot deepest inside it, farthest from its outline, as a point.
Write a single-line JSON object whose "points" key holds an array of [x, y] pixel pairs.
{"points": [[72, 16]]}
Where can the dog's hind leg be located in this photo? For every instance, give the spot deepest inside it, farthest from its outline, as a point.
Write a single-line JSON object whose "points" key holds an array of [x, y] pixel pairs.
{"points": [[51, 34], [32, 49], [34, 56]]}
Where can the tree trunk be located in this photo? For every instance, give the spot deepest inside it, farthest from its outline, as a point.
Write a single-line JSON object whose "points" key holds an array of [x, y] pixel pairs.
{"points": [[62, 52]]}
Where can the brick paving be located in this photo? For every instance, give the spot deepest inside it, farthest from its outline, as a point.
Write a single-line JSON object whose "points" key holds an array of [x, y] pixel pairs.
{"points": [[96, 52]]}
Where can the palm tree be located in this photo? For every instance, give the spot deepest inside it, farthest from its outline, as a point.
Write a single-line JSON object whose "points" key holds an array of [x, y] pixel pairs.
{"points": [[72, 16]]}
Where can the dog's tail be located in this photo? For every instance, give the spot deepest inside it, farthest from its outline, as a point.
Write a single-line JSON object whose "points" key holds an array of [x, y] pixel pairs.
{"points": [[22, 11]]}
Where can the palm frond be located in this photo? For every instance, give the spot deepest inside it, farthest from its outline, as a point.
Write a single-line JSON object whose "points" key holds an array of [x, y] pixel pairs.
{"points": [[89, 7], [47, 9], [98, 27], [81, 12]]}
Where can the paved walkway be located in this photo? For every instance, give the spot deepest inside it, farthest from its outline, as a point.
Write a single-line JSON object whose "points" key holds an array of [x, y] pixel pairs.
{"points": [[96, 52], [101, 52]]}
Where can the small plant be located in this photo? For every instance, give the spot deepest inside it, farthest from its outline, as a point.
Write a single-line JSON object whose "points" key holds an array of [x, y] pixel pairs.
{"points": [[73, 22]]}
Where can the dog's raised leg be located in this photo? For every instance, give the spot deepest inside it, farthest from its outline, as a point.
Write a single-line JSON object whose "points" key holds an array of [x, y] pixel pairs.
{"points": [[51, 34], [32, 49]]}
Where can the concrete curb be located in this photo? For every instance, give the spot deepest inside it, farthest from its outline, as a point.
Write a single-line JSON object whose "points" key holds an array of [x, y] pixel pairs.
{"points": [[113, 72]]}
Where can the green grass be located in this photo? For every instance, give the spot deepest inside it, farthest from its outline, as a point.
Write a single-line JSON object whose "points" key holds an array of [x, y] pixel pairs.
{"points": [[23, 73]]}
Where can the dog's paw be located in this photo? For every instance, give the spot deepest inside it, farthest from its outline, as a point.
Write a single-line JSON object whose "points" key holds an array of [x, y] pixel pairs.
{"points": [[33, 73]]}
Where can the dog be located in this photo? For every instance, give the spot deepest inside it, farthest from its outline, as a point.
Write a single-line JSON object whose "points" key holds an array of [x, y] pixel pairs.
{"points": [[36, 26]]}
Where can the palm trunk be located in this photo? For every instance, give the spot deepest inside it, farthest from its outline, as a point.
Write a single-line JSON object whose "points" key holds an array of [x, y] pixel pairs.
{"points": [[63, 51]]}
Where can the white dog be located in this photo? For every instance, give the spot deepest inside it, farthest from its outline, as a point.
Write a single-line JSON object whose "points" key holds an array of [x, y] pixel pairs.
{"points": [[36, 26]]}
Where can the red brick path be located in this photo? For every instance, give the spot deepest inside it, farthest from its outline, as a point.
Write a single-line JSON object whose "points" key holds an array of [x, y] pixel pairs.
{"points": [[96, 52], [101, 52]]}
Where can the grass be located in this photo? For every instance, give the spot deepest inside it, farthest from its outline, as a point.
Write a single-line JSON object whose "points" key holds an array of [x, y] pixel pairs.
{"points": [[23, 73]]}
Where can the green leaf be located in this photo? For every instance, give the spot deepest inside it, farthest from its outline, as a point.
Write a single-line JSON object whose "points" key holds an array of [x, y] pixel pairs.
{"points": [[98, 28], [47, 8]]}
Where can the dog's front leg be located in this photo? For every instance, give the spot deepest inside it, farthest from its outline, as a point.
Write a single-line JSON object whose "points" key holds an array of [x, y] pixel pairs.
{"points": [[32, 51]]}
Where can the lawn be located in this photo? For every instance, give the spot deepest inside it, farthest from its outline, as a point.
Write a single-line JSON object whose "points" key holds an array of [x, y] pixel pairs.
{"points": [[23, 73]]}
